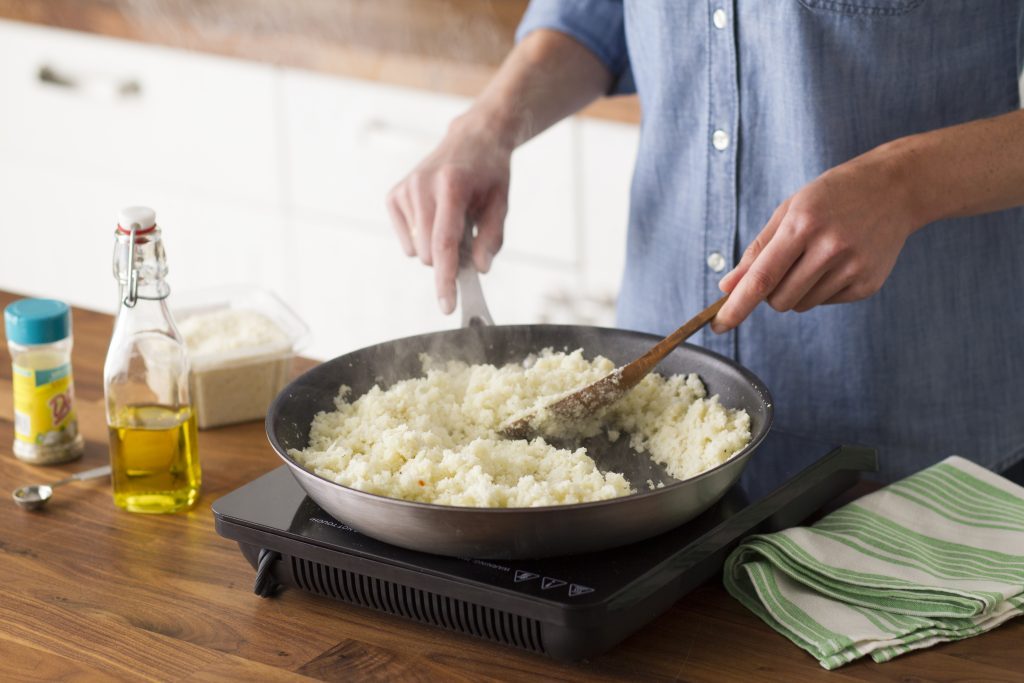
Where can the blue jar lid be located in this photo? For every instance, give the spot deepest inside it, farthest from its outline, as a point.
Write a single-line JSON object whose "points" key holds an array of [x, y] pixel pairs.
{"points": [[37, 321]]}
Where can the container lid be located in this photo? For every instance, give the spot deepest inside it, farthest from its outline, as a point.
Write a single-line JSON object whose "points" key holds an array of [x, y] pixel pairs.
{"points": [[240, 298], [37, 321]]}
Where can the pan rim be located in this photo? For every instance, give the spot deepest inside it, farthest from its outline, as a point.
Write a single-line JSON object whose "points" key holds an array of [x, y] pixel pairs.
{"points": [[752, 445]]}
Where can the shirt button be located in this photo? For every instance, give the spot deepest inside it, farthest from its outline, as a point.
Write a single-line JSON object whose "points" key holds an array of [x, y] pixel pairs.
{"points": [[716, 262], [719, 18], [720, 140]]}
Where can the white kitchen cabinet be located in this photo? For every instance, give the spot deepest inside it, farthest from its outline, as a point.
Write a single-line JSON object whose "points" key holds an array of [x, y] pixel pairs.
{"points": [[349, 142], [93, 105], [354, 287], [607, 158], [277, 177], [523, 292], [211, 243], [197, 142], [543, 198], [58, 236]]}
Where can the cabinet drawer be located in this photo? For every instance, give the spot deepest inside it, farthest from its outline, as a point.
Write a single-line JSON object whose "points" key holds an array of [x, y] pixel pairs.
{"points": [[349, 142], [93, 104]]}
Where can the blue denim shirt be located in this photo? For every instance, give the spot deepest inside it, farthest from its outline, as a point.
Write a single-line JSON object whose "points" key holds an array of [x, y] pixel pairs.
{"points": [[745, 101]]}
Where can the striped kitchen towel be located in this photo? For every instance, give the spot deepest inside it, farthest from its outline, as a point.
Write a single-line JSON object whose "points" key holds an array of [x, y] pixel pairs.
{"points": [[937, 556]]}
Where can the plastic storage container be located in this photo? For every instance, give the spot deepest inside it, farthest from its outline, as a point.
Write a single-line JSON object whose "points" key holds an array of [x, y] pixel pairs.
{"points": [[235, 374]]}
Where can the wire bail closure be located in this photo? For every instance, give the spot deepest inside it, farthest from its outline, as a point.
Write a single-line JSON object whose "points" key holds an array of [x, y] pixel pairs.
{"points": [[133, 296]]}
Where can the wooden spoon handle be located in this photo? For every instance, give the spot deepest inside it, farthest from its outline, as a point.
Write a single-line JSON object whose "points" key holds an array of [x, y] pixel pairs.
{"points": [[638, 369]]}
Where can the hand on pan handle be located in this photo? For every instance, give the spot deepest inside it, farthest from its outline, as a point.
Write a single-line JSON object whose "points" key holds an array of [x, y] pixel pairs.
{"points": [[466, 177], [546, 77]]}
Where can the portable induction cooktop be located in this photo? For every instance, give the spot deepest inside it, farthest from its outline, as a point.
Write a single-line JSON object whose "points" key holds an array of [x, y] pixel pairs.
{"points": [[568, 608]]}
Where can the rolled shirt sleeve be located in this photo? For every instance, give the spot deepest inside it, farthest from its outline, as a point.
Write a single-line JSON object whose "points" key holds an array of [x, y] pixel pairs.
{"points": [[598, 25]]}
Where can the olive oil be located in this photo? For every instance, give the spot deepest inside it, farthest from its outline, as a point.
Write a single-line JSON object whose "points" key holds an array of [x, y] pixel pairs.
{"points": [[153, 451], [154, 458]]}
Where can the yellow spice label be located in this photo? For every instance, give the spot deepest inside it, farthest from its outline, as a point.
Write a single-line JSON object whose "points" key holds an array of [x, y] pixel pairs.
{"points": [[43, 403]]}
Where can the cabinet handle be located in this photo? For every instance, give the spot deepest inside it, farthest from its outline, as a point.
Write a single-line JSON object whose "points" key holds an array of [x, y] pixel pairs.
{"points": [[124, 88], [379, 131]]}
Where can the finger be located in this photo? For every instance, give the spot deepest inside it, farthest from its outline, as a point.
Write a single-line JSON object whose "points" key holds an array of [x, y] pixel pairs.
{"points": [[422, 201], [449, 224], [847, 295], [490, 230], [758, 281], [810, 268], [754, 249], [827, 287], [397, 211]]}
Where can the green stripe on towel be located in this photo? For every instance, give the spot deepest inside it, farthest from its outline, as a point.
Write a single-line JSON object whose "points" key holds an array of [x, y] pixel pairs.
{"points": [[936, 557]]}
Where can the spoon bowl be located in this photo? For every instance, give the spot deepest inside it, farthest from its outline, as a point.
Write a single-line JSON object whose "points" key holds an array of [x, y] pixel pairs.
{"points": [[32, 497]]}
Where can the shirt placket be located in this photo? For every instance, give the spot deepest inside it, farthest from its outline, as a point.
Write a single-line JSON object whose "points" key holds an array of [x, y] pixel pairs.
{"points": [[722, 144]]}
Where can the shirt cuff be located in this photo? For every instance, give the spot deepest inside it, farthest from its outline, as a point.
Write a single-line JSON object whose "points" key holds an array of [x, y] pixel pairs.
{"points": [[598, 25]]}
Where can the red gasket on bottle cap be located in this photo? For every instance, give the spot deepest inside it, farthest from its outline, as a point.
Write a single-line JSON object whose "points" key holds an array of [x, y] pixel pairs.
{"points": [[142, 231]]}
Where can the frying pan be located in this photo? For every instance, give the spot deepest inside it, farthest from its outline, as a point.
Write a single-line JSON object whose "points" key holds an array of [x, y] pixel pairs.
{"points": [[513, 533]]}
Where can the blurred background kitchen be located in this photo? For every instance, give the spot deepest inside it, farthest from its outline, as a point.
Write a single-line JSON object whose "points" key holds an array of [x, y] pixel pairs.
{"points": [[266, 134]]}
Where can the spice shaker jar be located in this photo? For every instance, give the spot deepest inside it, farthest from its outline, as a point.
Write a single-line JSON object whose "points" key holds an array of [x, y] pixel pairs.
{"points": [[39, 340]]}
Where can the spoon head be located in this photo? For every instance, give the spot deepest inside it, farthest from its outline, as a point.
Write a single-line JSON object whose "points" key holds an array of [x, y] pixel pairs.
{"points": [[32, 497], [565, 415]]}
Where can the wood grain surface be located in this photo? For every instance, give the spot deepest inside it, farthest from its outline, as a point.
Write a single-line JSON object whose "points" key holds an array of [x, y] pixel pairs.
{"points": [[450, 46], [89, 592]]}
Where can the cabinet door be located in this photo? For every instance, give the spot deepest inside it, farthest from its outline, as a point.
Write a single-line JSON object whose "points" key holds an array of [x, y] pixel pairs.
{"points": [[354, 287], [608, 154], [525, 292], [90, 104], [349, 142], [59, 236]]}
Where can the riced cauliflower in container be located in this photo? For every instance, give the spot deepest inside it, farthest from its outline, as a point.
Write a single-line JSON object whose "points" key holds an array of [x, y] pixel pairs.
{"points": [[241, 342]]}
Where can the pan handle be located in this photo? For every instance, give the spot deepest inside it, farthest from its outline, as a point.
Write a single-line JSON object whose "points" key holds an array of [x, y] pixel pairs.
{"points": [[471, 294]]}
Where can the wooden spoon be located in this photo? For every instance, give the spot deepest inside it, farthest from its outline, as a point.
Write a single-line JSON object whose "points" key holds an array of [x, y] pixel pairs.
{"points": [[610, 388]]}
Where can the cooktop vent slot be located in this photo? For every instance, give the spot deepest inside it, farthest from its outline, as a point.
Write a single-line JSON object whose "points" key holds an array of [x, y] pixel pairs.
{"points": [[419, 605]]}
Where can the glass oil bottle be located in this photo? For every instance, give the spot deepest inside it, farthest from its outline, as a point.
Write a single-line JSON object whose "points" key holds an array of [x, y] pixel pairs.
{"points": [[154, 453]]}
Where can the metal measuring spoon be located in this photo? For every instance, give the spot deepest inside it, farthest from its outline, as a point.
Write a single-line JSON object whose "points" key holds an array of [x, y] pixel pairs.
{"points": [[35, 496]]}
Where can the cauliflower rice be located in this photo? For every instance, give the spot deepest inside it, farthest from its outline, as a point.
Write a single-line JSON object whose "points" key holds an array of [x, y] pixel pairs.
{"points": [[435, 439]]}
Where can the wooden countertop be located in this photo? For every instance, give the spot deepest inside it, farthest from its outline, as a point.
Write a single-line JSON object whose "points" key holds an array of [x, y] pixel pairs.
{"points": [[89, 591], [450, 46]]}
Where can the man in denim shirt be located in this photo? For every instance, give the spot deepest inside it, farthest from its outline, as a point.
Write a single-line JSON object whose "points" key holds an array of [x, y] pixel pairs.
{"points": [[804, 153]]}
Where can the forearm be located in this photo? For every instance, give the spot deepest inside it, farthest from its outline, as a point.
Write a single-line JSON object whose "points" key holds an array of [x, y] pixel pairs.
{"points": [[545, 78], [963, 170]]}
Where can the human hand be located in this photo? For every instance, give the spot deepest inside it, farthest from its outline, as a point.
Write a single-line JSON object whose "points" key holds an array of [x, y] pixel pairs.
{"points": [[836, 240], [467, 176]]}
